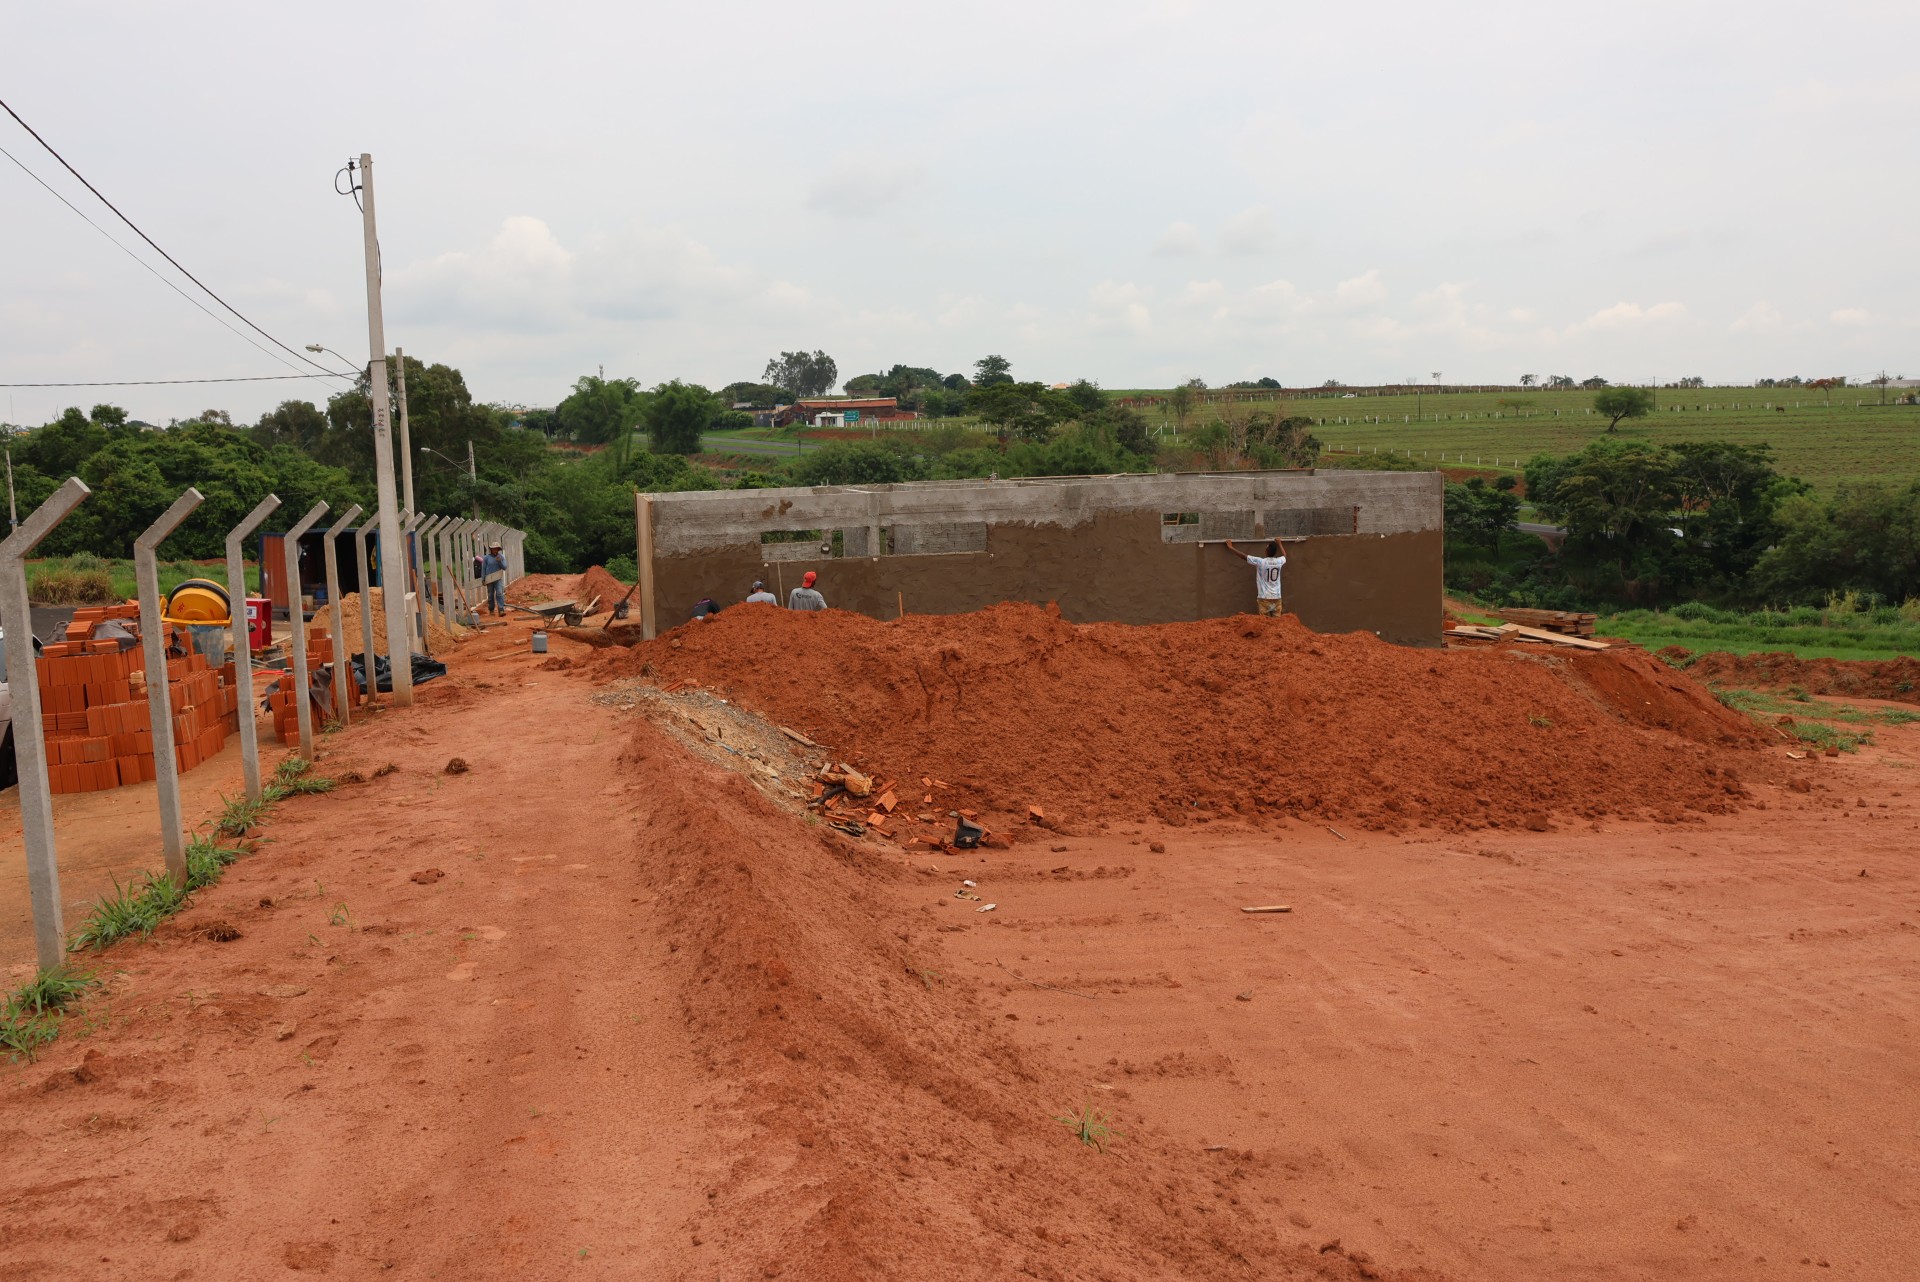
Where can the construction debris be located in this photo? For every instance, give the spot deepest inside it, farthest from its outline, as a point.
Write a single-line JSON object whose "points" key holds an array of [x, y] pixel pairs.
{"points": [[1570, 622], [1269, 908], [1521, 632]]}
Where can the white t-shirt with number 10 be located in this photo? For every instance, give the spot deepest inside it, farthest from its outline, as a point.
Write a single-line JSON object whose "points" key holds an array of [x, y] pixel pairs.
{"points": [[1266, 575]]}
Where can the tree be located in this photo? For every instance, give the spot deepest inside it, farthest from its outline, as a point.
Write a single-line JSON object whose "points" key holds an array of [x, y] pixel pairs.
{"points": [[1023, 411], [884, 462], [1528, 380], [1623, 402], [991, 370], [676, 414], [296, 423], [1478, 514], [1594, 383], [1086, 397], [1613, 496], [802, 374], [599, 411], [1693, 381], [760, 396], [1181, 401], [1865, 538], [1560, 381]]}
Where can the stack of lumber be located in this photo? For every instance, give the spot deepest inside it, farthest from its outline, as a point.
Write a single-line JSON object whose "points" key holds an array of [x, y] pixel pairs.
{"points": [[1571, 622], [1520, 632]]}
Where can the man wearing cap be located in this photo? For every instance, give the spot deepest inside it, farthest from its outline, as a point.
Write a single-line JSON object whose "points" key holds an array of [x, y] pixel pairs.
{"points": [[493, 571], [761, 596], [805, 597]]}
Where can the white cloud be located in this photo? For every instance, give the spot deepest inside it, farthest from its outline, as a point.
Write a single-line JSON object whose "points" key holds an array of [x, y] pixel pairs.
{"points": [[1119, 307], [1360, 292], [1251, 231], [1851, 317], [860, 186], [1628, 316], [1761, 318], [1178, 240]]}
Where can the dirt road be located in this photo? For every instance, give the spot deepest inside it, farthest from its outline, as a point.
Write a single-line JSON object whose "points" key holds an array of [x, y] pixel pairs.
{"points": [[648, 1022]]}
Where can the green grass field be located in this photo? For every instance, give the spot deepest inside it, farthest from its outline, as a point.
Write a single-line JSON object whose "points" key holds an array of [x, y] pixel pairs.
{"points": [[1807, 633], [120, 571], [1820, 443]]}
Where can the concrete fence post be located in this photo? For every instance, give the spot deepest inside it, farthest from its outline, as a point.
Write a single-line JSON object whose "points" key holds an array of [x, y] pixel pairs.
{"points": [[366, 608], [166, 764], [417, 576], [297, 632], [336, 620], [29, 731], [430, 568], [242, 643]]}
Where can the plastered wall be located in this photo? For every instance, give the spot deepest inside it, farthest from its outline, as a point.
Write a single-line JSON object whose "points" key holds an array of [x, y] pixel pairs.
{"points": [[1101, 547]]}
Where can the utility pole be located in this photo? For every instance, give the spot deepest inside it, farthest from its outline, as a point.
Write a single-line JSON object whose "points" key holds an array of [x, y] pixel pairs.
{"points": [[393, 573], [473, 480], [406, 438]]}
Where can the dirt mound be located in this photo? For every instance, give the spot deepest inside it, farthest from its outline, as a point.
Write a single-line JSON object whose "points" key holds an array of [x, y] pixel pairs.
{"points": [[597, 582], [531, 589], [1862, 678], [894, 1122], [1240, 716], [437, 634]]}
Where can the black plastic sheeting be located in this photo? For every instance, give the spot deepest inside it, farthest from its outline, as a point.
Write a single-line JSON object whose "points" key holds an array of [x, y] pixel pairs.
{"points": [[424, 669]]}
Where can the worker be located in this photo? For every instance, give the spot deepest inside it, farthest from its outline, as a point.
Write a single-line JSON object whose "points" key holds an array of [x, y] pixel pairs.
{"points": [[760, 595], [493, 570], [705, 609], [1266, 573], [806, 596]]}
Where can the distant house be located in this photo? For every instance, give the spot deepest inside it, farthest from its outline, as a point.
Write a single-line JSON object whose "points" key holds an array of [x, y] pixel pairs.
{"points": [[843, 411]]}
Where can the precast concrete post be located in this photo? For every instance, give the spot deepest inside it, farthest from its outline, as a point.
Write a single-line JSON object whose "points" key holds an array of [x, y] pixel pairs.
{"points": [[448, 547], [29, 732], [366, 609], [297, 642], [428, 572], [417, 576], [336, 619], [243, 644], [153, 647]]}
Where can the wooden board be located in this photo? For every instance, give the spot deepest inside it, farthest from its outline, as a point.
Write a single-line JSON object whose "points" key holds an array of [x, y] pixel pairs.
{"points": [[1556, 638]]}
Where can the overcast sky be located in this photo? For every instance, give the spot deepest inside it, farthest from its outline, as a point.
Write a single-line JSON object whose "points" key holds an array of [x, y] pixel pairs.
{"points": [[1136, 193]]}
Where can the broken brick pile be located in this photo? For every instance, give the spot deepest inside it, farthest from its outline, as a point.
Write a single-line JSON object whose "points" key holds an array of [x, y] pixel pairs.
{"points": [[94, 709]]}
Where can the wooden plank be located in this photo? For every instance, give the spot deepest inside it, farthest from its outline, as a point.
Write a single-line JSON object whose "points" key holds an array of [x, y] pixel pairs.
{"points": [[1556, 638], [1269, 908]]}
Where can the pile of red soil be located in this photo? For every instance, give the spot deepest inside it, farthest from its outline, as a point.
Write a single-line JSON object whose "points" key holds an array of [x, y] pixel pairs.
{"points": [[597, 582], [896, 1130], [1241, 716], [1861, 678]]}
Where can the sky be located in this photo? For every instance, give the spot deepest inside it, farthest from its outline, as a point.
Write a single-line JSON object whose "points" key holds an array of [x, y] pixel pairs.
{"points": [[1133, 192]]}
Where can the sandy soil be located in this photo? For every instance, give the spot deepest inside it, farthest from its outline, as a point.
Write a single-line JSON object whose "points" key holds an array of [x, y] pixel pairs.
{"points": [[647, 1021]]}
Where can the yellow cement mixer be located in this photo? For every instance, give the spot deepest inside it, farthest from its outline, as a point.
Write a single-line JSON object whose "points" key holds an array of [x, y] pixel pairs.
{"points": [[199, 603]]}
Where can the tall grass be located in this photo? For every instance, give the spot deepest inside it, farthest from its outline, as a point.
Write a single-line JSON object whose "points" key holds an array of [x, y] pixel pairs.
{"points": [[86, 579], [1844, 629]]}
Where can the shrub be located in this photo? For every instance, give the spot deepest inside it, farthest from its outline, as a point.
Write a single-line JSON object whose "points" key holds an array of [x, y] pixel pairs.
{"points": [[72, 587]]}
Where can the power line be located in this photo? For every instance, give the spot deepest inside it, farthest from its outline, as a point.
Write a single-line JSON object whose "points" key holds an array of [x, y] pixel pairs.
{"points": [[168, 382], [81, 213], [150, 240]]}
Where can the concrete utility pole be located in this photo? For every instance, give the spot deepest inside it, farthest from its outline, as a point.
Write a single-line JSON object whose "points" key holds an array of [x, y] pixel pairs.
{"points": [[406, 438], [393, 568], [473, 480]]}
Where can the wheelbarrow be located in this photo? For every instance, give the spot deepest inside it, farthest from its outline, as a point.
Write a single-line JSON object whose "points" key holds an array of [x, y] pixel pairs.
{"points": [[551, 612]]}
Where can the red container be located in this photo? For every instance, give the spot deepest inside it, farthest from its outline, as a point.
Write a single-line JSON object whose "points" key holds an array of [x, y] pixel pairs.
{"points": [[259, 623]]}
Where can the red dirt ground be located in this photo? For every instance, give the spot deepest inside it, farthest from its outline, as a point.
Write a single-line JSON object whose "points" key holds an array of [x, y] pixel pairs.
{"points": [[651, 1024], [1241, 716], [1897, 679]]}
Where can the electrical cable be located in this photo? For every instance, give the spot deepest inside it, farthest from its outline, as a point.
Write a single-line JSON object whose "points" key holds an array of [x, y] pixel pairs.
{"points": [[150, 240], [165, 382], [149, 266]]}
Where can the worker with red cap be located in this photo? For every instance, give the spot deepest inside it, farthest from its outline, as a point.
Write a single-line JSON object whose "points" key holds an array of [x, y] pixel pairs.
{"points": [[806, 596]]}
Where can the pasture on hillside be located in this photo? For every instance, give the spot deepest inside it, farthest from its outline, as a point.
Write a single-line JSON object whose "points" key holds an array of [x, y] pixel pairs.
{"points": [[1854, 438]]}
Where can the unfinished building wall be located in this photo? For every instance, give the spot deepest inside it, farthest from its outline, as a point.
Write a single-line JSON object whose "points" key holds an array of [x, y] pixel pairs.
{"points": [[1121, 549]]}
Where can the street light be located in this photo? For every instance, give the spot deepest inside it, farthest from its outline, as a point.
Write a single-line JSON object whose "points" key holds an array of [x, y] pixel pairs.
{"points": [[473, 475], [316, 347]]}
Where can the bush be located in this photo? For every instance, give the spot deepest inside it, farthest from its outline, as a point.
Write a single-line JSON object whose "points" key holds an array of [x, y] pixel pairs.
{"points": [[72, 587], [624, 568]]}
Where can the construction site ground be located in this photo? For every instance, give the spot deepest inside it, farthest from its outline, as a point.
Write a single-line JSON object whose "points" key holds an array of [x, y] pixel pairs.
{"points": [[609, 999]]}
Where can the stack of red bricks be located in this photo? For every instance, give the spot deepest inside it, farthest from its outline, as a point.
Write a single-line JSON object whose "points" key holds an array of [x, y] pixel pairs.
{"points": [[286, 723], [99, 725]]}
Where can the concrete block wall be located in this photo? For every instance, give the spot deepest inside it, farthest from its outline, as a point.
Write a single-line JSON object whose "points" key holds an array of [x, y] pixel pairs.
{"points": [[1122, 549]]}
